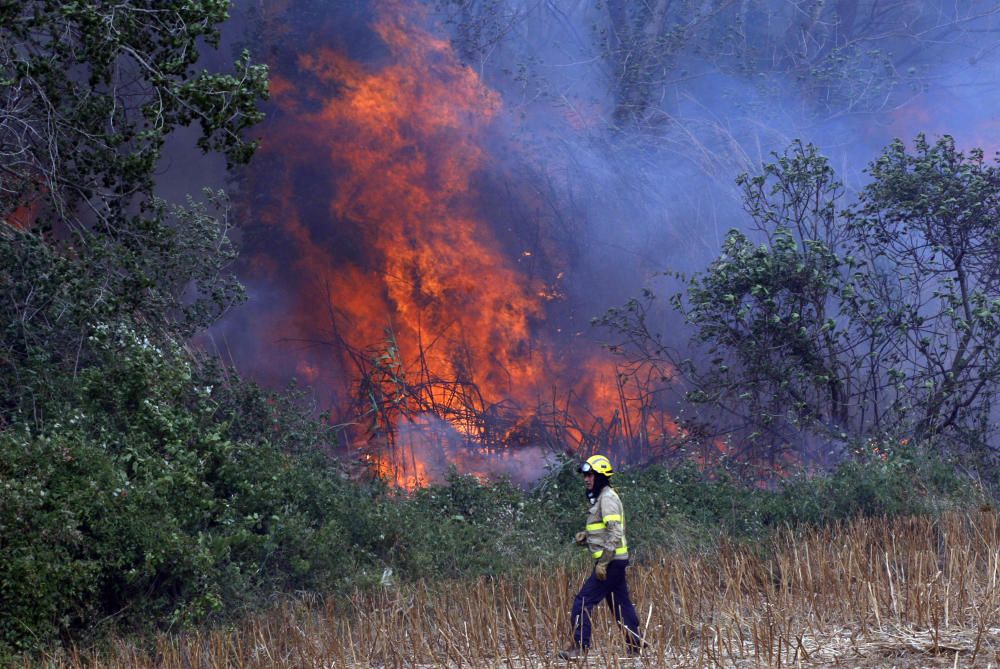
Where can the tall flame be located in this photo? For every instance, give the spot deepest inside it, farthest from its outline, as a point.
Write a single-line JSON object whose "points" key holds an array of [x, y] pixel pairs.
{"points": [[388, 155], [402, 141]]}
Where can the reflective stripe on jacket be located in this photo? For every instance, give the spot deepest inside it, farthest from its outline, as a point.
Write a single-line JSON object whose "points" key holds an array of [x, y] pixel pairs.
{"points": [[606, 525]]}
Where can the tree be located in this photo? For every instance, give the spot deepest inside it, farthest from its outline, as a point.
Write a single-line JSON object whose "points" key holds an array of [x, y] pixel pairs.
{"points": [[101, 286], [877, 320], [92, 89], [90, 93], [927, 227]]}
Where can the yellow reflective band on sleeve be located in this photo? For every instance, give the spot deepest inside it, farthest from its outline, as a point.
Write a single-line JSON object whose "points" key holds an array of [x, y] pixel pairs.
{"points": [[594, 526], [613, 517], [621, 550], [597, 554]]}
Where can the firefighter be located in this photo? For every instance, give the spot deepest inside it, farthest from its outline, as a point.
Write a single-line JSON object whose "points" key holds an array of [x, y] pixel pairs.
{"points": [[604, 538]]}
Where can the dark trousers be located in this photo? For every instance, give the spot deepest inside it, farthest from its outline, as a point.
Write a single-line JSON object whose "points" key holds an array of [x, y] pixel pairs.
{"points": [[614, 591]]}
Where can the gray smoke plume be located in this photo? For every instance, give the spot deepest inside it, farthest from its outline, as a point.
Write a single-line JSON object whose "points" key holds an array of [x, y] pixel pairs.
{"points": [[621, 129]]}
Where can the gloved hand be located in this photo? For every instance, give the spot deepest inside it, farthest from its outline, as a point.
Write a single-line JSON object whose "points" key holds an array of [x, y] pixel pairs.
{"points": [[581, 538], [601, 568]]}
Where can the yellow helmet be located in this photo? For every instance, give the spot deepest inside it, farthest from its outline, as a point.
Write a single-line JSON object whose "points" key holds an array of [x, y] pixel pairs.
{"points": [[597, 464]]}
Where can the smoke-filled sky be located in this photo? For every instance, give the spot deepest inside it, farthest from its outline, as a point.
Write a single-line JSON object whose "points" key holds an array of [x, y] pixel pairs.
{"points": [[448, 192]]}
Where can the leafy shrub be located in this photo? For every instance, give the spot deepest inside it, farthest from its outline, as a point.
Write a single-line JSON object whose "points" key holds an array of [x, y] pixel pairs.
{"points": [[155, 487], [138, 503], [909, 480]]}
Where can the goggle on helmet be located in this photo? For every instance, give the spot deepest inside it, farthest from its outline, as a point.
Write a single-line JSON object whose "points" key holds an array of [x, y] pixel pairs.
{"points": [[597, 464]]}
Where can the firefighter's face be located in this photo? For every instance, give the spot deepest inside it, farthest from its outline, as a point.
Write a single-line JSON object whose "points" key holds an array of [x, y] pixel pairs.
{"points": [[588, 479]]}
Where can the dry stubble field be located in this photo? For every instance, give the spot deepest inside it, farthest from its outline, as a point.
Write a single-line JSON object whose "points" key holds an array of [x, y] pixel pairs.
{"points": [[915, 592]]}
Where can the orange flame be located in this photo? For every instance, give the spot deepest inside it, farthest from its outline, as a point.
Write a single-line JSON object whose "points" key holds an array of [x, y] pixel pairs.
{"points": [[24, 216], [410, 252], [403, 140]]}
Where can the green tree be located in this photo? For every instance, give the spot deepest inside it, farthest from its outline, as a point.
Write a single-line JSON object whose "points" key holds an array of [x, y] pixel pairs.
{"points": [[91, 91], [928, 229], [125, 487], [874, 320]]}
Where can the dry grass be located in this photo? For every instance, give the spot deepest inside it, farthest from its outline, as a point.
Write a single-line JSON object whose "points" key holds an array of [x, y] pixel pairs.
{"points": [[902, 593]]}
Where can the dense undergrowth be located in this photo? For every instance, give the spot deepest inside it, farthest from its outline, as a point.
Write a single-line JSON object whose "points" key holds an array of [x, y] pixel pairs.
{"points": [[143, 486], [167, 496]]}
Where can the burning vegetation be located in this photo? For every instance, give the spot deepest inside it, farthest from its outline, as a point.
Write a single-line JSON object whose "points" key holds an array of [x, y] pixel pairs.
{"points": [[424, 315], [418, 248]]}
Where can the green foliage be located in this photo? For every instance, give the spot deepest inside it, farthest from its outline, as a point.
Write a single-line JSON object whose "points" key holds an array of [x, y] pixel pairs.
{"points": [[689, 508], [555, 497], [100, 85], [767, 312], [128, 493], [138, 500], [871, 319], [92, 92], [880, 482], [929, 228], [460, 528]]}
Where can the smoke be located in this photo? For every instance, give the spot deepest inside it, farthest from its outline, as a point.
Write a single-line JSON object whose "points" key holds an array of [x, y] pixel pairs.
{"points": [[427, 447], [448, 192]]}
